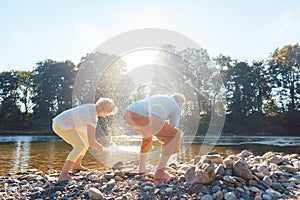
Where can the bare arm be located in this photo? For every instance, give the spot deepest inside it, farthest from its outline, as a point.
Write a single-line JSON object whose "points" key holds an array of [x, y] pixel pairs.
{"points": [[92, 139], [175, 117]]}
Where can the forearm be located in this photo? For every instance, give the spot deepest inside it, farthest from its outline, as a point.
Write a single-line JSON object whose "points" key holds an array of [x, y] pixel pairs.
{"points": [[91, 138]]}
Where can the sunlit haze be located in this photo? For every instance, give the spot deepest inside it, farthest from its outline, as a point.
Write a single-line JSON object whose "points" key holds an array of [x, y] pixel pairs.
{"points": [[33, 31], [138, 58]]}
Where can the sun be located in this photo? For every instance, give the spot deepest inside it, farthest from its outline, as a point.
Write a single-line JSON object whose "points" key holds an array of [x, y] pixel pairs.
{"points": [[139, 58]]}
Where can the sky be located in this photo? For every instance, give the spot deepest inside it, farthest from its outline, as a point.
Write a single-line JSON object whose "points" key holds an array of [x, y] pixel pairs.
{"points": [[33, 30]]}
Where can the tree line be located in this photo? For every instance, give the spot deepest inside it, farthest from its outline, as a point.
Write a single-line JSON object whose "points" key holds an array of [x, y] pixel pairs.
{"points": [[258, 97]]}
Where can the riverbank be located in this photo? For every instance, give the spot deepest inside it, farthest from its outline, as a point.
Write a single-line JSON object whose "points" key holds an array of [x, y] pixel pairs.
{"points": [[27, 133], [242, 175]]}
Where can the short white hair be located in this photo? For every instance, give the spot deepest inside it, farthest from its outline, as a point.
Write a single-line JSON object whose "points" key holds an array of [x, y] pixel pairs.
{"points": [[106, 105]]}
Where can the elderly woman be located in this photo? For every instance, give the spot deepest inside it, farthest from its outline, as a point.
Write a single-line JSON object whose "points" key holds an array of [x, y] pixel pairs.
{"points": [[158, 116], [77, 126]]}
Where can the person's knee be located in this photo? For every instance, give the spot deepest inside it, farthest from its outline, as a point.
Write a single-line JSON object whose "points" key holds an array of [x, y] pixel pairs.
{"points": [[82, 147], [146, 145]]}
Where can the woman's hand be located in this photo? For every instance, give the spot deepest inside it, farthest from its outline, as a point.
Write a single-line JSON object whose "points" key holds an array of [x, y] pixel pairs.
{"points": [[92, 140], [97, 147]]}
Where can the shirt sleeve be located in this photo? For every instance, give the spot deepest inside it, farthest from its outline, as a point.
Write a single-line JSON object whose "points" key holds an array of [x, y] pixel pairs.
{"points": [[91, 117], [175, 117], [92, 121]]}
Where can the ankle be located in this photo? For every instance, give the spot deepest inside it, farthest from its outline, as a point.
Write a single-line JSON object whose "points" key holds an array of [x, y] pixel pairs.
{"points": [[159, 171]]}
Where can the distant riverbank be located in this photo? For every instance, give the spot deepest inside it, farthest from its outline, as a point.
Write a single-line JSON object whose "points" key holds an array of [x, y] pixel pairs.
{"points": [[24, 133]]}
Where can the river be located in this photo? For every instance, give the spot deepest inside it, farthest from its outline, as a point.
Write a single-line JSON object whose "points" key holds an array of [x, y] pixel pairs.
{"points": [[47, 153]]}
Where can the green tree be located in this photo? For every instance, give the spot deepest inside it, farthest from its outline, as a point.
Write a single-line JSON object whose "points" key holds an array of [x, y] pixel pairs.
{"points": [[53, 87], [9, 110], [284, 76], [15, 99], [103, 75]]}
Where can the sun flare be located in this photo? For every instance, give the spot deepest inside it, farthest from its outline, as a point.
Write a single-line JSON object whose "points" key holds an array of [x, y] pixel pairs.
{"points": [[139, 58]]}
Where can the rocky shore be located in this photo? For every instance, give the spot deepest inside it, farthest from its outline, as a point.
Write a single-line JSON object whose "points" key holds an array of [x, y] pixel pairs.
{"points": [[243, 176]]}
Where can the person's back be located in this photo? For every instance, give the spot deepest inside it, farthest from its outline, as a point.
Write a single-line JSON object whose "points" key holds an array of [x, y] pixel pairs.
{"points": [[161, 106], [77, 118]]}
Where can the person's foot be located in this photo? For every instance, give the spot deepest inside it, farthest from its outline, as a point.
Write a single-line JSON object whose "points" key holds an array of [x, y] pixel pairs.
{"points": [[142, 169], [80, 168], [161, 176], [63, 177]]}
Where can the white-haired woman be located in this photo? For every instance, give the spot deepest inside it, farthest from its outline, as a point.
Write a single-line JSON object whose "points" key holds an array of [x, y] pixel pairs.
{"points": [[77, 126]]}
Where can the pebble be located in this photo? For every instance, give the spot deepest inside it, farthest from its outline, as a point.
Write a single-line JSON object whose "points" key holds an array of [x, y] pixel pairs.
{"points": [[243, 176]]}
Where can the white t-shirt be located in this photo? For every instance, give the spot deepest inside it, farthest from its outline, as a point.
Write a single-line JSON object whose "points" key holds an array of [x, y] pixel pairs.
{"points": [[162, 106], [77, 118]]}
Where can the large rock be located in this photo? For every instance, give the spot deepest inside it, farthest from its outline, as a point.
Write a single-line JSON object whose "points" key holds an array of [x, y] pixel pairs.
{"points": [[118, 165], [228, 163], [262, 169], [270, 157], [202, 173], [215, 158], [245, 153], [296, 164], [95, 194], [241, 169]]}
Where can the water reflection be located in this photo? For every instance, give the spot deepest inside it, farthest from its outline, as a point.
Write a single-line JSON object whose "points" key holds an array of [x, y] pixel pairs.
{"points": [[21, 155]]}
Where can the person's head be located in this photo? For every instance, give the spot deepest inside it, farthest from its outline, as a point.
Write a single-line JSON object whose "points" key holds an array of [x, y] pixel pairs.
{"points": [[105, 107], [179, 98]]}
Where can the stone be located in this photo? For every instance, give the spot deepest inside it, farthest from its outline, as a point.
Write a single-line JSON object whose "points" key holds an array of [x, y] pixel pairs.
{"points": [[95, 194], [241, 169], [254, 189], [267, 180], [148, 188], [93, 177], [273, 193], [218, 195], [109, 176], [257, 197], [228, 163], [295, 179], [278, 187], [270, 157], [262, 169], [202, 173], [245, 154], [118, 178], [207, 197], [229, 196], [215, 158], [296, 164], [281, 184], [288, 168], [118, 165], [229, 179], [169, 190], [216, 188], [266, 197], [220, 170]]}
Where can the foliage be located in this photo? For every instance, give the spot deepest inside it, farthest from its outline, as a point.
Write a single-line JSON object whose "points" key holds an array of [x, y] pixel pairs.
{"points": [[260, 96]]}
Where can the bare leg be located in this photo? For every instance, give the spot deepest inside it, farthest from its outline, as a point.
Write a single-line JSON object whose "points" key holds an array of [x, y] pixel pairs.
{"points": [[142, 166], [160, 174], [167, 151], [64, 175], [78, 166]]}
